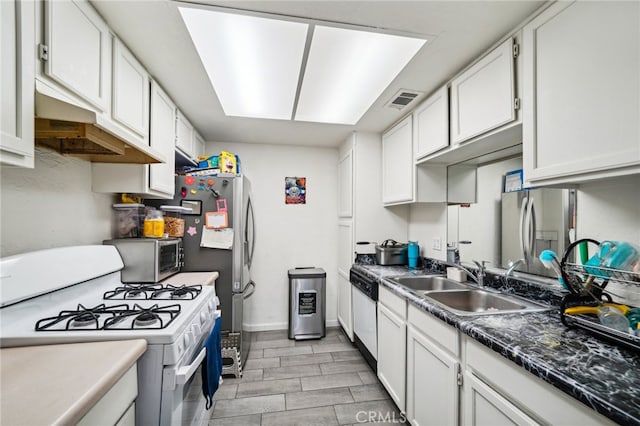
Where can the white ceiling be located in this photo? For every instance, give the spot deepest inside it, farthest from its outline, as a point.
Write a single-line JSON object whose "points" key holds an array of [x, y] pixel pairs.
{"points": [[155, 33]]}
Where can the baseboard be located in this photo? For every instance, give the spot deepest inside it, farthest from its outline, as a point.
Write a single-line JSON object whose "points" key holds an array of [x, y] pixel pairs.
{"points": [[280, 326]]}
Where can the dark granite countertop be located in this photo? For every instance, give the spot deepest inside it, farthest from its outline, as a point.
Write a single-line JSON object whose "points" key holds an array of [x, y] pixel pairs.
{"points": [[603, 376]]}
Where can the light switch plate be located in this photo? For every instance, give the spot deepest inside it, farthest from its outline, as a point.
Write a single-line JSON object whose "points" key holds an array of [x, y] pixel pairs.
{"points": [[436, 243]]}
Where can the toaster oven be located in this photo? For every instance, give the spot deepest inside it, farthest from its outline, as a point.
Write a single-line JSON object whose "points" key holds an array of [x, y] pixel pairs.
{"points": [[148, 260]]}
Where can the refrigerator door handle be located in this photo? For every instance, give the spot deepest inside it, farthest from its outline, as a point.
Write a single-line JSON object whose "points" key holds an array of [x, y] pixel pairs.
{"points": [[523, 209], [532, 229], [251, 285], [250, 244], [527, 229]]}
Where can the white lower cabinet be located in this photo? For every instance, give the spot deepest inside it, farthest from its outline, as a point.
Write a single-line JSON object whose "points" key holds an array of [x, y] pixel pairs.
{"points": [[117, 406], [392, 347], [439, 376], [498, 392], [345, 317], [485, 406], [432, 372], [345, 250]]}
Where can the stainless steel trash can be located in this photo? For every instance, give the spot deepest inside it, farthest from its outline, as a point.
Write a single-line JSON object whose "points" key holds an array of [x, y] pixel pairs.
{"points": [[307, 303]]}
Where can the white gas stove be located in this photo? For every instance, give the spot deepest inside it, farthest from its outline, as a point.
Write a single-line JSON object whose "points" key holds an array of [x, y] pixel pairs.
{"points": [[74, 294]]}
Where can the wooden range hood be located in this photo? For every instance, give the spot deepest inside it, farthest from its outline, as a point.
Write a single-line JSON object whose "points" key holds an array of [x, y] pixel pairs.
{"points": [[87, 141], [71, 129]]}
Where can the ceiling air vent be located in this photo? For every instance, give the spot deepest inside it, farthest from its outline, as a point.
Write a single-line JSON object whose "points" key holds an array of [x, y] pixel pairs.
{"points": [[403, 98]]}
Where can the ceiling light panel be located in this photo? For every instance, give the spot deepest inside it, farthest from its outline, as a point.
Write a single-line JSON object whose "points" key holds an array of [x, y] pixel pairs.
{"points": [[253, 62], [347, 70]]}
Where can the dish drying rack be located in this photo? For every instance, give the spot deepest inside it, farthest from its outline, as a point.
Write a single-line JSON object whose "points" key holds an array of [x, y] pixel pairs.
{"points": [[586, 285]]}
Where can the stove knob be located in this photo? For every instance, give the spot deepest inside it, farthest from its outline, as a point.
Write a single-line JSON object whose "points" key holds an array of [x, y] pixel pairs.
{"points": [[196, 330], [203, 318], [187, 340]]}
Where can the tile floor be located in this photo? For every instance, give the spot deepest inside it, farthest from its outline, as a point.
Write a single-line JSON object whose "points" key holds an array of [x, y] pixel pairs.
{"points": [[313, 382]]}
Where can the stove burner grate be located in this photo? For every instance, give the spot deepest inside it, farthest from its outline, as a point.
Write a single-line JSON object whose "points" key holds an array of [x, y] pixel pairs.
{"points": [[132, 291], [87, 318], [188, 292], [155, 317]]}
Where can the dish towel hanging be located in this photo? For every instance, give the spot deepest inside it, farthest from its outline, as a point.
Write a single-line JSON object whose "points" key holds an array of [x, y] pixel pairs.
{"points": [[212, 364]]}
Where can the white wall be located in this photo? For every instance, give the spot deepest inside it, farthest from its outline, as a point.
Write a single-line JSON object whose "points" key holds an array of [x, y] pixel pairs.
{"points": [[51, 205], [288, 236], [610, 210], [426, 222]]}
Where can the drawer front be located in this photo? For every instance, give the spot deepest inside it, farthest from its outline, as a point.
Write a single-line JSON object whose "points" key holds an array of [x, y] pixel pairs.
{"points": [[441, 333], [393, 302]]}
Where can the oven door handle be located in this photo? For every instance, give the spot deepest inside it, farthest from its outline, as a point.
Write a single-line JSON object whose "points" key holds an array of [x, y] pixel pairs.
{"points": [[185, 373]]}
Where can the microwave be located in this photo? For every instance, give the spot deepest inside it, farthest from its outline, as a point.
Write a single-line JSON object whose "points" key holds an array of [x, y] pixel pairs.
{"points": [[148, 260]]}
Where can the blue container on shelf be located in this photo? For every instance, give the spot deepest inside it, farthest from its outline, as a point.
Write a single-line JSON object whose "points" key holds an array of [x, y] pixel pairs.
{"points": [[413, 253]]}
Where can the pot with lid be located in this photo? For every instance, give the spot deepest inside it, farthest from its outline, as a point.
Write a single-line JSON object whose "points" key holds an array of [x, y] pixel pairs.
{"points": [[391, 252]]}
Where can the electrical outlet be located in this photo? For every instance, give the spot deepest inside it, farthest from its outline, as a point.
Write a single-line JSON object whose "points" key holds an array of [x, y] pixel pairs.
{"points": [[436, 243]]}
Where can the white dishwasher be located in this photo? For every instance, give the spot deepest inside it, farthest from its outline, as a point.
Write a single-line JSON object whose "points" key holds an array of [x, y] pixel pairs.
{"points": [[364, 296]]}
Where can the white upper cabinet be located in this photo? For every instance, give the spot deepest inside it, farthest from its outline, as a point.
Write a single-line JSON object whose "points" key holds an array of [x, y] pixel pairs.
{"points": [[397, 163], [431, 124], [198, 145], [130, 103], [483, 97], [76, 50], [184, 135], [17, 49], [581, 102], [345, 185], [163, 135], [403, 181], [148, 180]]}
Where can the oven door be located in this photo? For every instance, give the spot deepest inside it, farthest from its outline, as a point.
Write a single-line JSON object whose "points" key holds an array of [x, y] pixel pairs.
{"points": [[168, 258], [182, 400]]}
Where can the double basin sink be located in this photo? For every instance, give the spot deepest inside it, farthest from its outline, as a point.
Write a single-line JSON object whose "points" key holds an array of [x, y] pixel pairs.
{"points": [[461, 298]]}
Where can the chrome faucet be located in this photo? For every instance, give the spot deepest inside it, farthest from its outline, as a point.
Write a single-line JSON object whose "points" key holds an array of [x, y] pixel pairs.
{"points": [[477, 277], [482, 269], [513, 265]]}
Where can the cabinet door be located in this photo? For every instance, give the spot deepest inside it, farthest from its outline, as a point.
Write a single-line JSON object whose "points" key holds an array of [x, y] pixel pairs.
{"points": [[199, 146], [398, 170], [79, 46], [345, 259], [483, 97], [581, 84], [392, 349], [484, 406], [431, 124], [17, 82], [184, 134], [345, 185], [432, 382], [130, 103], [162, 139]]}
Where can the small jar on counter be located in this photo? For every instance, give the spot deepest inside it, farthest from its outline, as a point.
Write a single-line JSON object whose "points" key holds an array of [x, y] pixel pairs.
{"points": [[153, 224], [173, 221]]}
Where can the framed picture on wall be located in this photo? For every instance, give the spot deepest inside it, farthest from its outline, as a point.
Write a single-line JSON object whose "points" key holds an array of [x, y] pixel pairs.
{"points": [[295, 190]]}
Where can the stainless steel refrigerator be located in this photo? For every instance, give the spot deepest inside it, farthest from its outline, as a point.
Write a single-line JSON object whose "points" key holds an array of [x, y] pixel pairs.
{"points": [[213, 194], [534, 220]]}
